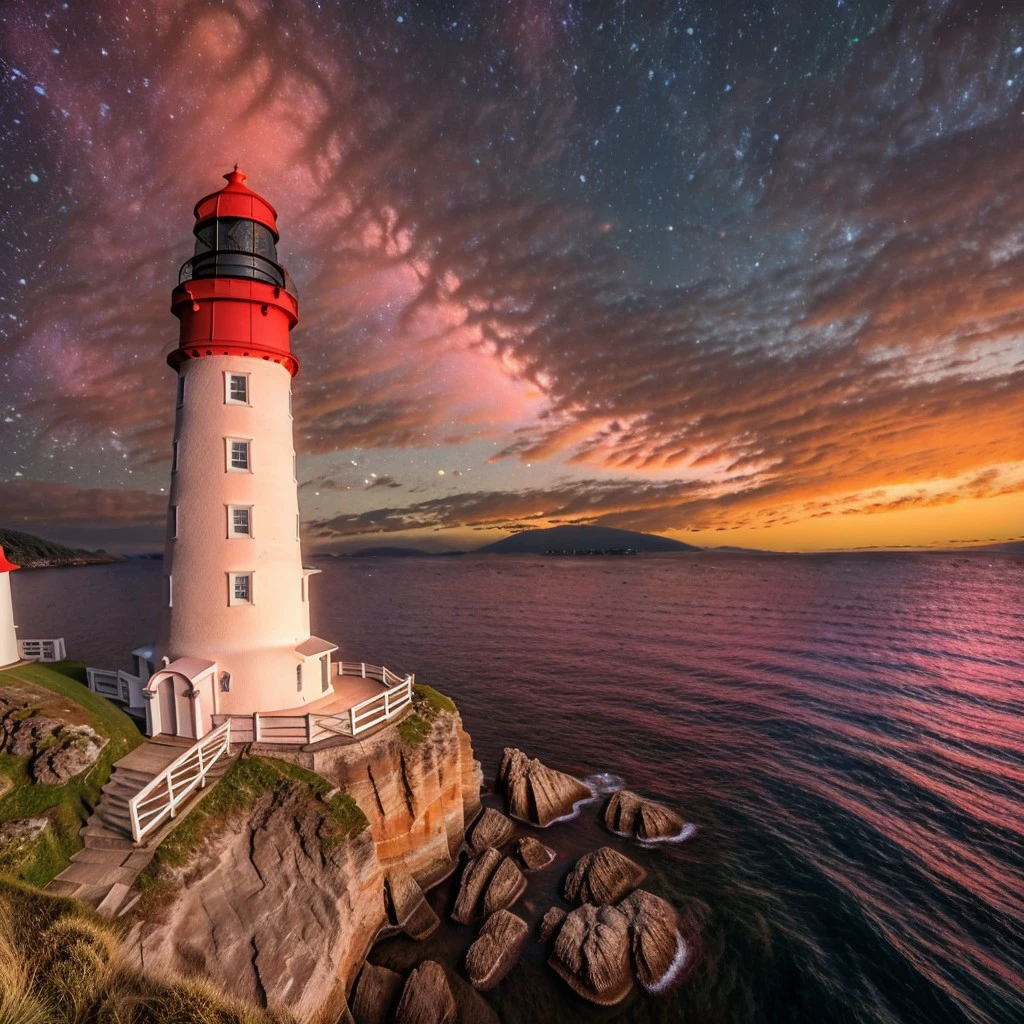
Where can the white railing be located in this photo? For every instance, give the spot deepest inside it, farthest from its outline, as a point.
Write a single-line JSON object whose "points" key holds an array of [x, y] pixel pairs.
{"points": [[300, 730], [381, 708], [161, 798], [43, 650]]}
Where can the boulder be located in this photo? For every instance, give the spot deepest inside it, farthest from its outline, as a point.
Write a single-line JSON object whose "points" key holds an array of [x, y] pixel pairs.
{"points": [[496, 949], [591, 954], [630, 814], [535, 792], [658, 948], [507, 884], [408, 907], [16, 838], [604, 876], [25, 736], [475, 877], [550, 923], [492, 828], [427, 997], [375, 993], [533, 854], [76, 748]]}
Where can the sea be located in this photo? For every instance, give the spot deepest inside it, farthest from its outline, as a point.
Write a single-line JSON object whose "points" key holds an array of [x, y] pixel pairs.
{"points": [[845, 734]]}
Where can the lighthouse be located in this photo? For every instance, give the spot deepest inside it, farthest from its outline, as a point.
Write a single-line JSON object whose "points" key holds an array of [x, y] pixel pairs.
{"points": [[234, 632], [8, 638]]}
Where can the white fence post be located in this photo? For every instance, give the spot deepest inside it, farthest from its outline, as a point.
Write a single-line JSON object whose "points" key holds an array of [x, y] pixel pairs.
{"points": [[202, 770], [309, 728], [256, 727]]}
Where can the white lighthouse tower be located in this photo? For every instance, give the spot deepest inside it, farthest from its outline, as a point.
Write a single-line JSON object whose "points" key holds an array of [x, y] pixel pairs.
{"points": [[234, 633], [8, 638]]}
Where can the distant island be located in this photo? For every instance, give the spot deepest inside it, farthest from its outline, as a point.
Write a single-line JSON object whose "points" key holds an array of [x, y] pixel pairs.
{"points": [[31, 552], [582, 540]]}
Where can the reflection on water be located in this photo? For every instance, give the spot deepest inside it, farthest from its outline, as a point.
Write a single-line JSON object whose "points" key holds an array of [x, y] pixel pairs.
{"points": [[846, 732]]}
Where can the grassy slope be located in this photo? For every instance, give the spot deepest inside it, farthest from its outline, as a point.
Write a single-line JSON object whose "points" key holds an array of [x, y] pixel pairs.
{"points": [[427, 705], [66, 806]]}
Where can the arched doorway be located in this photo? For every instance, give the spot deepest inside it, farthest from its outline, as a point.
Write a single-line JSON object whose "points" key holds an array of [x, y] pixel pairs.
{"points": [[172, 705]]}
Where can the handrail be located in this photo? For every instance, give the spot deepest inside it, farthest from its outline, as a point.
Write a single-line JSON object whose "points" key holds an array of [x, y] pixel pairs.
{"points": [[195, 267], [143, 816]]}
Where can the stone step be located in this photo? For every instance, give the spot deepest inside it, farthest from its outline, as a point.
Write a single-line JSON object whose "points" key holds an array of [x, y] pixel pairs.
{"points": [[96, 874], [108, 906], [90, 855]]}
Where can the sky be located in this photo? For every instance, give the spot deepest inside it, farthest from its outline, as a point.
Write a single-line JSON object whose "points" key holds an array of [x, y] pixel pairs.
{"points": [[740, 273]]}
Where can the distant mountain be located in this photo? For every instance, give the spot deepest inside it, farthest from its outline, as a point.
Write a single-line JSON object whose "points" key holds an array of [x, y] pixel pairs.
{"points": [[581, 538], [385, 551], [1010, 547], [33, 552]]}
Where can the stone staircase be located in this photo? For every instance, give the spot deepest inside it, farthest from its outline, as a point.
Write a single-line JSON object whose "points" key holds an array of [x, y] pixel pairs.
{"points": [[103, 871]]}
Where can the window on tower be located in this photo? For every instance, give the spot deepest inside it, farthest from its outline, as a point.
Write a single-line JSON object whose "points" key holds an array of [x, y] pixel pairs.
{"points": [[236, 391], [238, 455], [174, 520], [174, 457], [298, 677], [239, 588], [239, 520], [180, 399]]}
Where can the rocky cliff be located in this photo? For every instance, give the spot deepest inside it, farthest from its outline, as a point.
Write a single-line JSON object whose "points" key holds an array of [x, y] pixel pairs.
{"points": [[275, 890]]}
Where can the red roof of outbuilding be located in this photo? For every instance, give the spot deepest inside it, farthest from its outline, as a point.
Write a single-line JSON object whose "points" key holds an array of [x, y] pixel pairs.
{"points": [[236, 199], [5, 565]]}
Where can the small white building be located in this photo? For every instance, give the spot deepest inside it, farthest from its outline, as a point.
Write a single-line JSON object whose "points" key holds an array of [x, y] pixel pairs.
{"points": [[8, 637]]}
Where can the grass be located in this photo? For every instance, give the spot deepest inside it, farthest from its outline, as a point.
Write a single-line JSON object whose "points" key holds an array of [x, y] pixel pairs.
{"points": [[60, 964], [235, 794], [427, 705], [64, 695]]}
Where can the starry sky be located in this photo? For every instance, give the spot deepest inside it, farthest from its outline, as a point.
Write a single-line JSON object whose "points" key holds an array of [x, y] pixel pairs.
{"points": [[744, 272]]}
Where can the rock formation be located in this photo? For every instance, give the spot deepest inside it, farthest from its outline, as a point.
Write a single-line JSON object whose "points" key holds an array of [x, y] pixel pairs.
{"points": [[267, 911], [408, 907], [591, 954], [58, 749], [475, 878], [534, 792], [427, 997], [492, 828], [654, 937], [603, 876], [532, 854], [418, 794], [551, 922], [376, 991], [507, 884], [629, 814], [496, 949]]}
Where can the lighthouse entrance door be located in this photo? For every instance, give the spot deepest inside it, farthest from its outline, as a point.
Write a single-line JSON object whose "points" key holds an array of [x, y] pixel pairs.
{"points": [[168, 712]]}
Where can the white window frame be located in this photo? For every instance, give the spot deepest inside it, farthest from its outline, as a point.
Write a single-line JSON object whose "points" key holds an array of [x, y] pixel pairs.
{"points": [[170, 590], [298, 525], [298, 678], [228, 398], [228, 442], [232, 576], [179, 395], [233, 534], [303, 589], [290, 414], [295, 467]]}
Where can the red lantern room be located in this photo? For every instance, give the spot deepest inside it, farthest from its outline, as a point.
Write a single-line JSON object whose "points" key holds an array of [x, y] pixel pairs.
{"points": [[233, 297]]}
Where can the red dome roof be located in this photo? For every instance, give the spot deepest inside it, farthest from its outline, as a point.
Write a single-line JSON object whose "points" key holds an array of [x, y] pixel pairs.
{"points": [[5, 565], [236, 199]]}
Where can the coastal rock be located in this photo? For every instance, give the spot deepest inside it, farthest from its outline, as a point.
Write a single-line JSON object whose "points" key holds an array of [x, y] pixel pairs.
{"points": [[532, 854], [475, 877], [492, 828], [427, 997], [535, 792], [496, 949], [630, 814], [408, 907], [604, 876], [16, 837], [550, 923], [418, 794], [376, 991], [75, 748], [268, 912], [591, 954], [26, 736], [654, 938], [507, 884]]}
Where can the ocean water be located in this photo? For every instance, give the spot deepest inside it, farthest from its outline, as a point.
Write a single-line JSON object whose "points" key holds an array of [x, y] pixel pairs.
{"points": [[845, 732]]}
